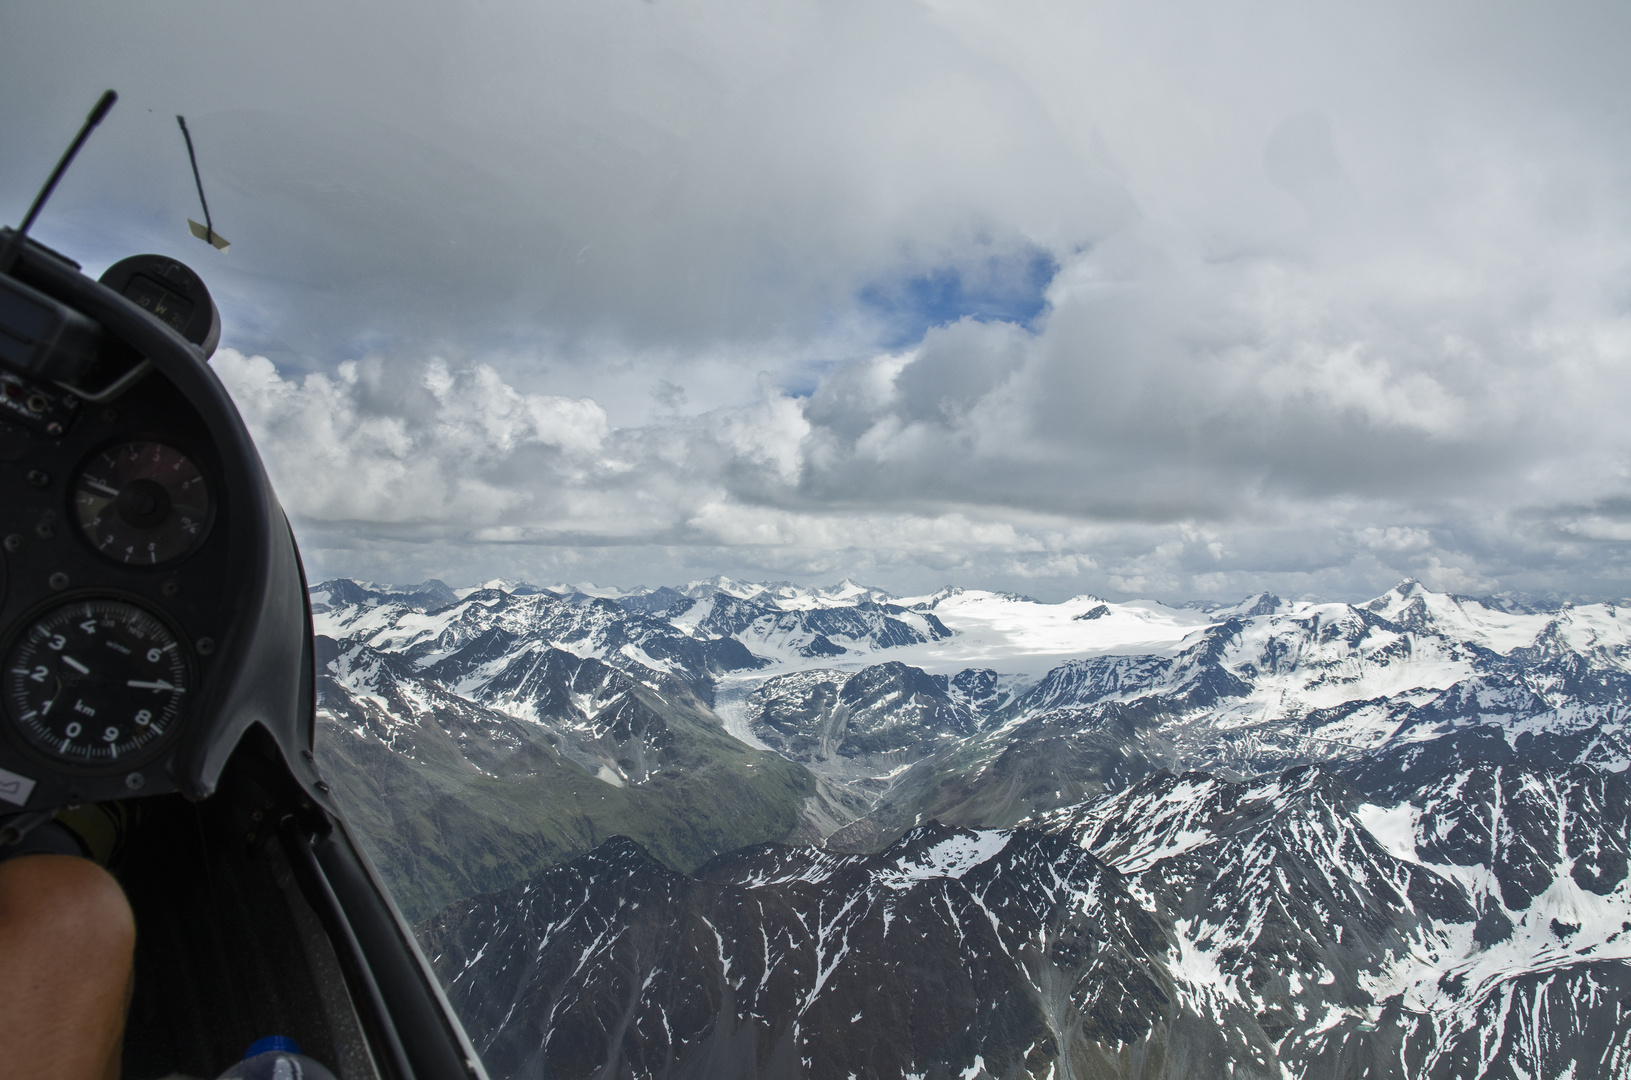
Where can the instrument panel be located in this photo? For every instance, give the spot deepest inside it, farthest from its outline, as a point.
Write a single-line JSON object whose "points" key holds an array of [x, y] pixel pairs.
{"points": [[141, 502], [96, 681], [115, 582]]}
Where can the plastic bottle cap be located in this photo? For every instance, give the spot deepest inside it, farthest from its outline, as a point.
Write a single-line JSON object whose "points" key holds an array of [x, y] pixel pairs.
{"points": [[270, 1044]]}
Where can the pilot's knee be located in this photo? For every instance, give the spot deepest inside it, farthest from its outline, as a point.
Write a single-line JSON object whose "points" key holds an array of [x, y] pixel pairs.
{"points": [[68, 905]]}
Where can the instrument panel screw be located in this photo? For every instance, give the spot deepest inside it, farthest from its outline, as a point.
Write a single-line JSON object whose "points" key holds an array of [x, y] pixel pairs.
{"points": [[110, 416], [37, 403], [58, 581], [205, 646], [135, 781], [170, 588], [38, 478], [14, 542]]}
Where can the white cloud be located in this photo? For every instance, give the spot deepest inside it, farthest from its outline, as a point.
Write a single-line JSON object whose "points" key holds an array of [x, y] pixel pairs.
{"points": [[361, 447], [456, 472], [1341, 291]]}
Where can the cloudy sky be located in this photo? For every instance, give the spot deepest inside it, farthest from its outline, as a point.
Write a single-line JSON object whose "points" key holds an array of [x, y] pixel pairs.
{"points": [[1165, 299]]}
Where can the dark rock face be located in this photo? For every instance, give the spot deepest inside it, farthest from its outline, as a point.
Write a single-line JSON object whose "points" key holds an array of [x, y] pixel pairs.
{"points": [[980, 690], [949, 951], [883, 710], [1542, 1024], [1522, 823], [1306, 840], [656, 602], [794, 714], [1187, 926]]}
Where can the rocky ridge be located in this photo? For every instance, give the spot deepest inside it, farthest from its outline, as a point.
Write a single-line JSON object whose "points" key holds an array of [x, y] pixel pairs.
{"points": [[1186, 926], [703, 718]]}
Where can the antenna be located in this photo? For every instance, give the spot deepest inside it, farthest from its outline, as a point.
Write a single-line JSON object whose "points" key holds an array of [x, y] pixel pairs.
{"points": [[205, 231], [102, 106]]}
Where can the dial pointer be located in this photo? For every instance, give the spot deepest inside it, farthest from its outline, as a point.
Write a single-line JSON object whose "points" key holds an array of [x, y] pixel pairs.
{"points": [[137, 684], [76, 665]]}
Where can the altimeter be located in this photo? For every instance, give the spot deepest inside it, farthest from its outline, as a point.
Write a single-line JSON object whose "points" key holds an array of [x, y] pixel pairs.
{"points": [[96, 682]]}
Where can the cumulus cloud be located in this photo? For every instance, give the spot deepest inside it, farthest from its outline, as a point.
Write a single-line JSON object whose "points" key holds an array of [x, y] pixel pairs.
{"points": [[452, 467], [370, 446], [1175, 298]]}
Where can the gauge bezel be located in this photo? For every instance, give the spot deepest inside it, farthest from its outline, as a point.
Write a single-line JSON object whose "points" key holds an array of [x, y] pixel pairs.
{"points": [[211, 488], [136, 759]]}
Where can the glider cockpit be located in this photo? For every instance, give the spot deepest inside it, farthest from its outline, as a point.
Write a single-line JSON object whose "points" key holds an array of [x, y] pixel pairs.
{"points": [[157, 660]]}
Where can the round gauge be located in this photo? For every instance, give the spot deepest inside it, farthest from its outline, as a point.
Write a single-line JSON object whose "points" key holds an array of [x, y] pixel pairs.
{"points": [[141, 503], [95, 682]]}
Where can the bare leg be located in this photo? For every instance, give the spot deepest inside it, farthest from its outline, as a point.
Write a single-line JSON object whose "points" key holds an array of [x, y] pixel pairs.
{"points": [[67, 939]]}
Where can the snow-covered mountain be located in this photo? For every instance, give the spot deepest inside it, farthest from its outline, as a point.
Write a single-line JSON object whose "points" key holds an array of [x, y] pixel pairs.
{"points": [[1291, 838], [457, 792], [1256, 688], [343, 592], [982, 708], [1185, 927]]}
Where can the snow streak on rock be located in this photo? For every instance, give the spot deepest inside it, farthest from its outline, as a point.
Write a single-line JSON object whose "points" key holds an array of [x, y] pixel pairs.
{"points": [[1187, 926], [1274, 839]]}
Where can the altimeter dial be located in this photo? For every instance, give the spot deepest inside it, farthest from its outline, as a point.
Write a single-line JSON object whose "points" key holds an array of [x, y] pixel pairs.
{"points": [[141, 503], [96, 682]]}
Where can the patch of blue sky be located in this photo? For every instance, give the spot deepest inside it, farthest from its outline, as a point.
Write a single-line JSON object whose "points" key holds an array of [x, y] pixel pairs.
{"points": [[1005, 287]]}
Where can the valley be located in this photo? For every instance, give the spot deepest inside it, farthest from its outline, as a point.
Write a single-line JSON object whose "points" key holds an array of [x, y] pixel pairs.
{"points": [[1327, 838]]}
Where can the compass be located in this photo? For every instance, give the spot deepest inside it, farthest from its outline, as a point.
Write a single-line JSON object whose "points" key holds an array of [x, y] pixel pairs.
{"points": [[95, 682], [141, 503]]}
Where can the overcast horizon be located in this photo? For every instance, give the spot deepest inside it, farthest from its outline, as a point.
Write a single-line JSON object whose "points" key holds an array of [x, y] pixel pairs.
{"points": [[1172, 300], [613, 590]]}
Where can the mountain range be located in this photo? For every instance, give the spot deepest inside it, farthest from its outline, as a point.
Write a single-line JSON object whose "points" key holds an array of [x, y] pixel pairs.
{"points": [[679, 831]]}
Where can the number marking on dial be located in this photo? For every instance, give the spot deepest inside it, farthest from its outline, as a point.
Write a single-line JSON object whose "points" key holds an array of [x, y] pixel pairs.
{"points": [[129, 690], [141, 503]]}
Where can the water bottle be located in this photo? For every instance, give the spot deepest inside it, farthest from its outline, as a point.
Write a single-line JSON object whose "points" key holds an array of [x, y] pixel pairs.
{"points": [[276, 1057]]}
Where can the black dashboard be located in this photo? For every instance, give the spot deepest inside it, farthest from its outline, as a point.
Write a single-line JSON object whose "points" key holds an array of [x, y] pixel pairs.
{"points": [[156, 648], [151, 600]]}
